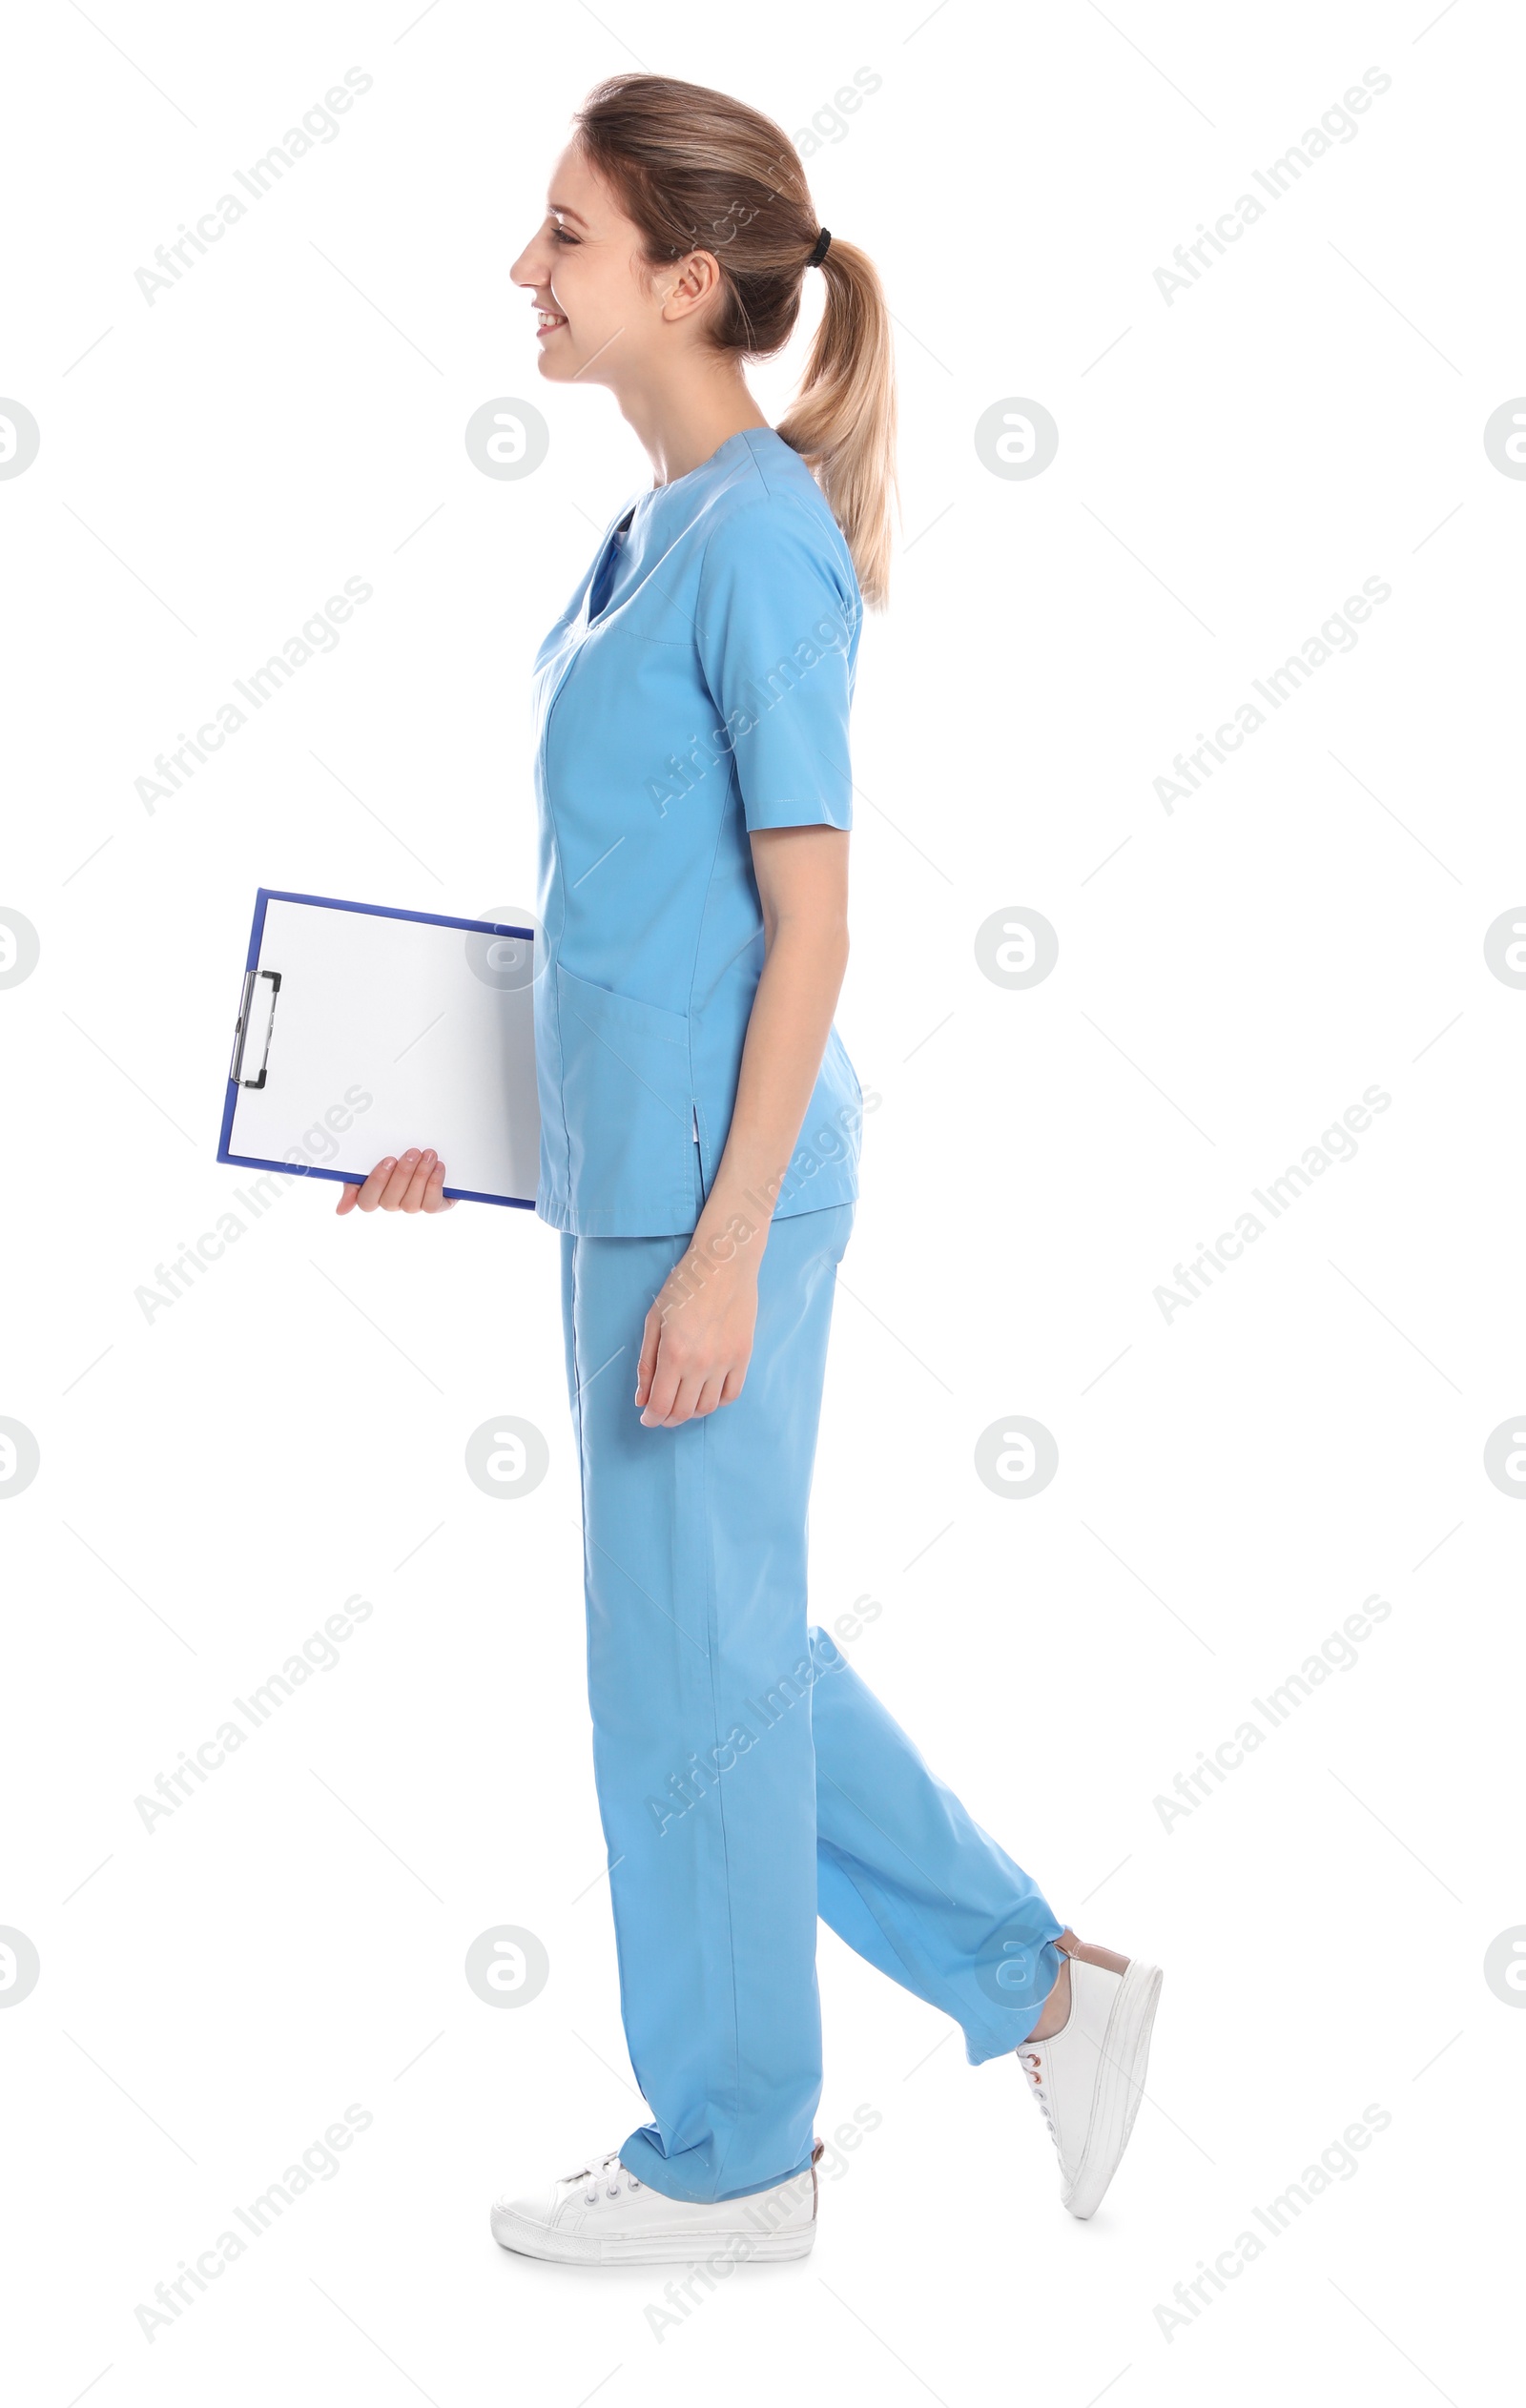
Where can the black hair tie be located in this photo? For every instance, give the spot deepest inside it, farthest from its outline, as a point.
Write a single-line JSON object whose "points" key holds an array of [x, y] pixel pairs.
{"points": [[823, 239]]}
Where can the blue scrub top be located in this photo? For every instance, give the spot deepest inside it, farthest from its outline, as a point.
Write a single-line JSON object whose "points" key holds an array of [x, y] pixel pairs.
{"points": [[697, 686]]}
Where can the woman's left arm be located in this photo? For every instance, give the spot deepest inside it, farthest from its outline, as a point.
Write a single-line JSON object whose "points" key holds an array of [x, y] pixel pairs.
{"points": [[698, 1335]]}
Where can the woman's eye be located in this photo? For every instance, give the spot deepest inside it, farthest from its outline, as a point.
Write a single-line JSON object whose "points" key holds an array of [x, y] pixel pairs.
{"points": [[559, 233]]}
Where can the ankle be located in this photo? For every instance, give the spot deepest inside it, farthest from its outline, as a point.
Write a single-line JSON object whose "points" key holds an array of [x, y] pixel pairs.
{"points": [[1055, 2012]]}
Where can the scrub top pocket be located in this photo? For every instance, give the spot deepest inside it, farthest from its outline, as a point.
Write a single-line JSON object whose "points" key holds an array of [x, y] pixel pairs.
{"points": [[629, 1104]]}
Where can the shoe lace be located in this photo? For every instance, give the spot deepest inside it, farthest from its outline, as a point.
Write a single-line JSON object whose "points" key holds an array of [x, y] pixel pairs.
{"points": [[1032, 2061], [604, 2171]]}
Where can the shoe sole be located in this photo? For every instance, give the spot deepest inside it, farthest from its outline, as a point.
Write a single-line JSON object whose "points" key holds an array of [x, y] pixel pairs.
{"points": [[741, 2246], [1125, 2052]]}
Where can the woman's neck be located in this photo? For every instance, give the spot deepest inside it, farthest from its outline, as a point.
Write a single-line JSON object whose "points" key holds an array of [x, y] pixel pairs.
{"points": [[680, 429]]}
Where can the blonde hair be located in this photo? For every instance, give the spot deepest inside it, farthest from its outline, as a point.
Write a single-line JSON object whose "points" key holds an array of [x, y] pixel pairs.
{"points": [[696, 171]]}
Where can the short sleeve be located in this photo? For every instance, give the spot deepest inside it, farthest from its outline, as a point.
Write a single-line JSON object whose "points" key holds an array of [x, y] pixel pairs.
{"points": [[777, 629]]}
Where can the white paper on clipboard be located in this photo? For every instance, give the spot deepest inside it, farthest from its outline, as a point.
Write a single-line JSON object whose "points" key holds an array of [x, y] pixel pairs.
{"points": [[364, 1031]]}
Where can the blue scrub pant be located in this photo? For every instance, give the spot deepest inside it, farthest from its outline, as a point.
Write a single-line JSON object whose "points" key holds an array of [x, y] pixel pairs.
{"points": [[748, 1779]]}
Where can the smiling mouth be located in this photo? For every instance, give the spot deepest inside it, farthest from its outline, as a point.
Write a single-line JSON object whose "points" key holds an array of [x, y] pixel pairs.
{"points": [[548, 321]]}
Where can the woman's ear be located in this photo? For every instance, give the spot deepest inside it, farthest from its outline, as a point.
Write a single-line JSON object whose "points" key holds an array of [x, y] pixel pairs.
{"points": [[695, 280]]}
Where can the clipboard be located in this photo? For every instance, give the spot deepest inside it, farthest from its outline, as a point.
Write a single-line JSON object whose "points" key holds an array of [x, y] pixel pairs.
{"points": [[363, 1030]]}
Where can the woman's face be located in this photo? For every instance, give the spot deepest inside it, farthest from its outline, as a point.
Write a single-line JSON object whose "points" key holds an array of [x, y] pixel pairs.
{"points": [[586, 278], [602, 314]]}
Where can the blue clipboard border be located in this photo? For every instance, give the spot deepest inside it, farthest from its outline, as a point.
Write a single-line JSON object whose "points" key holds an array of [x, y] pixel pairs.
{"points": [[374, 911]]}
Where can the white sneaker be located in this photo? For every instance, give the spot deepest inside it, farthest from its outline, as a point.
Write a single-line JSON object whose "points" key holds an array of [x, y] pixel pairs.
{"points": [[604, 2216], [1088, 2077]]}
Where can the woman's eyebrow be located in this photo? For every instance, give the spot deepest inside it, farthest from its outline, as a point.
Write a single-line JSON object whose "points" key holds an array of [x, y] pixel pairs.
{"points": [[560, 209]]}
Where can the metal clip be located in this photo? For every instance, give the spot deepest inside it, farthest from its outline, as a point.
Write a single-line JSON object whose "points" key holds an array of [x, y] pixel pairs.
{"points": [[242, 1027]]}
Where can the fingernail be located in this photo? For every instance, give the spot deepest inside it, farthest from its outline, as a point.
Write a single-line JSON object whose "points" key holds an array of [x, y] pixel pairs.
{"points": [[412, 1154], [389, 1162], [429, 1155]]}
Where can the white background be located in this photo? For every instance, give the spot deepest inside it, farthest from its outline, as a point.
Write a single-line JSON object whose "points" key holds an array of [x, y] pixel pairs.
{"points": [[217, 1479]]}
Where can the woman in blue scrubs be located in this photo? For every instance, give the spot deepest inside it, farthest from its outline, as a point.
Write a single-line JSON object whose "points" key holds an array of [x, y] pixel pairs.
{"points": [[700, 1128]]}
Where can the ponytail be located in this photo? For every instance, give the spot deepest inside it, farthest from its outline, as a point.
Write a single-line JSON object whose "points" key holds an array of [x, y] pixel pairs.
{"points": [[696, 171], [843, 422]]}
